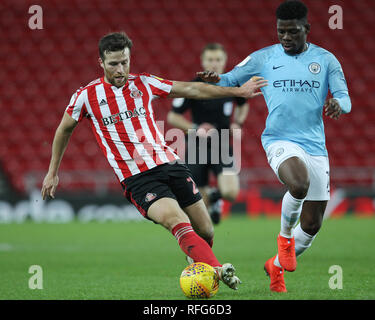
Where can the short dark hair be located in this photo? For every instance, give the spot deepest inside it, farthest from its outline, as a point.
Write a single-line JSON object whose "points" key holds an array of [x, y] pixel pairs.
{"points": [[290, 10], [115, 41], [213, 46]]}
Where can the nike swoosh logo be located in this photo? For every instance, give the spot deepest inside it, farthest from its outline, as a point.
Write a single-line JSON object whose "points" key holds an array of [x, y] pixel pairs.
{"points": [[274, 68]]}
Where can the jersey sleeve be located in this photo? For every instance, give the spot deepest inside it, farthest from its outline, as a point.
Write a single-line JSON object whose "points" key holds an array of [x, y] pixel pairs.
{"points": [[76, 107], [159, 87], [249, 67], [181, 105], [337, 84]]}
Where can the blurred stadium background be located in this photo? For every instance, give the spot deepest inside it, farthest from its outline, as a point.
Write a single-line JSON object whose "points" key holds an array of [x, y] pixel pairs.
{"points": [[42, 68]]}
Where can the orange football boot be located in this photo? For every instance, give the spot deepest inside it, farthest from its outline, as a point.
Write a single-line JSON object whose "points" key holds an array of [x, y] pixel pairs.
{"points": [[276, 275], [287, 253]]}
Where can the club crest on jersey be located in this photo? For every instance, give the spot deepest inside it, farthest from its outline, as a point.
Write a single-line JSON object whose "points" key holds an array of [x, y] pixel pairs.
{"points": [[279, 152], [314, 67], [150, 196], [135, 93]]}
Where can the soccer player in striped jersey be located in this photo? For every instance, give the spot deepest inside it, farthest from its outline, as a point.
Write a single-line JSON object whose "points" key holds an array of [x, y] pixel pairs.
{"points": [[118, 107], [301, 74]]}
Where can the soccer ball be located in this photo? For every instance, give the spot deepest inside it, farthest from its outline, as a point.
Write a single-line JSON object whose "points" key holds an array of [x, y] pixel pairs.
{"points": [[199, 280]]}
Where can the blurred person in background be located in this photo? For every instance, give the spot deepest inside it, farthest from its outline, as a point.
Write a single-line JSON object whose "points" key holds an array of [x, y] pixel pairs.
{"points": [[206, 115]]}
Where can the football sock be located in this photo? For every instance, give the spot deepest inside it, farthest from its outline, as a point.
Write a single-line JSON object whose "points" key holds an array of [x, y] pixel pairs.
{"points": [[290, 211], [193, 245], [302, 240]]}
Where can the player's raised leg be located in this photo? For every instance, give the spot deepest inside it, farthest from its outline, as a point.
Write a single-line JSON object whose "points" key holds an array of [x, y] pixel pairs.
{"points": [[202, 224], [311, 216], [304, 234], [294, 174], [167, 212]]}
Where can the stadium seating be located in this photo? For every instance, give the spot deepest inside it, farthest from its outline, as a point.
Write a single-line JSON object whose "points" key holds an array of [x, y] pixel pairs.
{"points": [[42, 68]]}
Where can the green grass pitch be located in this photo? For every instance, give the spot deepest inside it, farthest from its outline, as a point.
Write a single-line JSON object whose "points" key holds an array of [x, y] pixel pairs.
{"points": [[137, 260]]}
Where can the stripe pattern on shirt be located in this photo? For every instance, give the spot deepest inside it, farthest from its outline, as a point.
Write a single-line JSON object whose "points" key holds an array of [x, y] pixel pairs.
{"points": [[123, 122]]}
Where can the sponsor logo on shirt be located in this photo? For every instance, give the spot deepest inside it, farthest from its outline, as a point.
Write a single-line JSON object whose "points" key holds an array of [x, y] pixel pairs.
{"points": [[124, 115], [292, 85]]}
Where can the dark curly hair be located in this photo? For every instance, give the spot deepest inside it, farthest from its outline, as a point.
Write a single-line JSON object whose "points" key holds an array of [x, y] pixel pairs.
{"points": [[290, 10]]}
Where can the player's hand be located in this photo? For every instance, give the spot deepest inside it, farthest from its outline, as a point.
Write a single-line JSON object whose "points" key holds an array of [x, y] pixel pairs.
{"points": [[202, 130], [209, 76], [332, 109], [250, 88], [50, 183]]}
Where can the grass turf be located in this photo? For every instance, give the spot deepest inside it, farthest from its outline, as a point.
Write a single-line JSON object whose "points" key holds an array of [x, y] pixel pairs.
{"points": [[138, 260]]}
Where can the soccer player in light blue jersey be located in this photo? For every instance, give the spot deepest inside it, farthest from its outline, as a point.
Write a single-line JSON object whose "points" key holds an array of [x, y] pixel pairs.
{"points": [[299, 74]]}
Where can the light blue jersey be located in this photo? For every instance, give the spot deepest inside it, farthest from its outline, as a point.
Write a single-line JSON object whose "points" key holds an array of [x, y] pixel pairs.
{"points": [[297, 89]]}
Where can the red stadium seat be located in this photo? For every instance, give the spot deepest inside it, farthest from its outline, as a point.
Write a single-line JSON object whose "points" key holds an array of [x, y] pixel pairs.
{"points": [[45, 67]]}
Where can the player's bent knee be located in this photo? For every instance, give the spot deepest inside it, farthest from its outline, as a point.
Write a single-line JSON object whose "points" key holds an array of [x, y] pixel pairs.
{"points": [[299, 188]]}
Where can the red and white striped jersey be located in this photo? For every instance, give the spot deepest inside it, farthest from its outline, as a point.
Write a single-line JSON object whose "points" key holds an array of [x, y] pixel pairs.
{"points": [[122, 120]]}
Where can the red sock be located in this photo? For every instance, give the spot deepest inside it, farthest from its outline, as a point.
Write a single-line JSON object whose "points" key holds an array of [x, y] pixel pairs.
{"points": [[193, 245]]}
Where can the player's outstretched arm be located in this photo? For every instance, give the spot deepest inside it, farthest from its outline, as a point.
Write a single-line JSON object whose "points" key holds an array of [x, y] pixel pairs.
{"points": [[60, 142], [200, 90]]}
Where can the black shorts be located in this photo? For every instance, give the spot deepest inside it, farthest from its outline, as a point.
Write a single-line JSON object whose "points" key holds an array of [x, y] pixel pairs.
{"points": [[164, 181], [201, 171]]}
